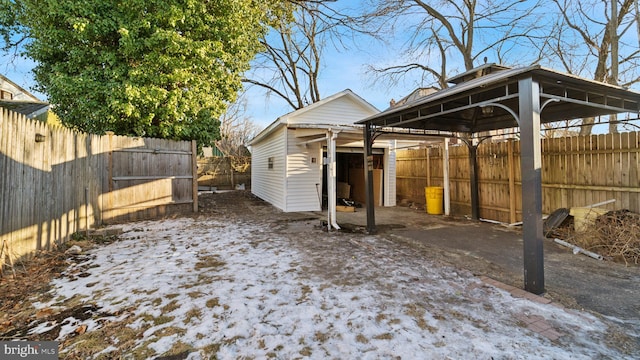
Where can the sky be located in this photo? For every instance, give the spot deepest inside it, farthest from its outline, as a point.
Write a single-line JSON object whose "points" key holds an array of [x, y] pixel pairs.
{"points": [[342, 69], [18, 70], [253, 290]]}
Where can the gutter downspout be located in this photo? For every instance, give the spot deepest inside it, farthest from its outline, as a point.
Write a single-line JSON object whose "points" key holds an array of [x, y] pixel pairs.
{"points": [[331, 180]]}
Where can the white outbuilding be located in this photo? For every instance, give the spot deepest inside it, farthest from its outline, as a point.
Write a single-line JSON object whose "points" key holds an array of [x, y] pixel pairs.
{"points": [[310, 157]]}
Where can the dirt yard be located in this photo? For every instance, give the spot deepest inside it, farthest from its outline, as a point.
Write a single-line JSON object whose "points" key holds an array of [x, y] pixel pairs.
{"points": [[243, 280]]}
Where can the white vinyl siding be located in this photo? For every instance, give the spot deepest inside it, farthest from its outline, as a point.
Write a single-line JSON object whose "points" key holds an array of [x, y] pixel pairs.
{"points": [[390, 176], [269, 184], [341, 111], [295, 139], [304, 177]]}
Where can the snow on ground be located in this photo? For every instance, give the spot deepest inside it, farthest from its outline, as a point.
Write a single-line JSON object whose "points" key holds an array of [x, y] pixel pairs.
{"points": [[255, 290]]}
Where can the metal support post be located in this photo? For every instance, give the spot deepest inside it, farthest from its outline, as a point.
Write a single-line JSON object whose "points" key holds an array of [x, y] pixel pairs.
{"points": [[531, 167], [368, 178]]}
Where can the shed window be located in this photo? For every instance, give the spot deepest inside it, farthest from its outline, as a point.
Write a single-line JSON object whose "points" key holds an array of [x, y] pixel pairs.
{"points": [[270, 163], [6, 95]]}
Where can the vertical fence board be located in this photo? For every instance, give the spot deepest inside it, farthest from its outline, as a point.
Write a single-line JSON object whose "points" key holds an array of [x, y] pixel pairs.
{"points": [[18, 243], [632, 170], [624, 163], [28, 192], [194, 172], [4, 168]]}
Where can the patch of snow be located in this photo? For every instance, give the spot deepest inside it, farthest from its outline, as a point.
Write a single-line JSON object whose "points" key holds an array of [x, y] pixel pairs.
{"points": [[252, 293], [68, 326], [43, 327]]}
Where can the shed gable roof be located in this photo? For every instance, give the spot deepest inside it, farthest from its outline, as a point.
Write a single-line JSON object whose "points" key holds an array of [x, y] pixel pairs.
{"points": [[343, 108]]}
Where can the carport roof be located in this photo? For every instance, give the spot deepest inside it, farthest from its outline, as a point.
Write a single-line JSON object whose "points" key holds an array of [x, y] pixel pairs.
{"points": [[503, 98], [490, 102]]}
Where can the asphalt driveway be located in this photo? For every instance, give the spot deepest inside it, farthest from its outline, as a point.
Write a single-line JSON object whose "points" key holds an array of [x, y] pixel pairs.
{"points": [[573, 280]]}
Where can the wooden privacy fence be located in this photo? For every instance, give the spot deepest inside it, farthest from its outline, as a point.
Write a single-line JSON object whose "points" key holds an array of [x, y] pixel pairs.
{"points": [[146, 178], [224, 172], [56, 182], [576, 171]]}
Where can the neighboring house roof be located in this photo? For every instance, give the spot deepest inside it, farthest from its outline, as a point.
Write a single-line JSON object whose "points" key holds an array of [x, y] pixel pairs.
{"points": [[291, 118], [413, 96], [419, 93], [17, 99], [477, 72], [18, 92], [29, 109]]}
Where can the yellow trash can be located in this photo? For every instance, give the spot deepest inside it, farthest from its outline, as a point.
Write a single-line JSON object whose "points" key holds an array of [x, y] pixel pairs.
{"points": [[584, 218], [434, 196]]}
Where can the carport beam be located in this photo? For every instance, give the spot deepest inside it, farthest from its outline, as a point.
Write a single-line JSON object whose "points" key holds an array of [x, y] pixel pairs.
{"points": [[531, 167]]}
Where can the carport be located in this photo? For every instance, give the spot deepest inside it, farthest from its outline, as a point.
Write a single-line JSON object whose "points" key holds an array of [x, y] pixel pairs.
{"points": [[494, 97]]}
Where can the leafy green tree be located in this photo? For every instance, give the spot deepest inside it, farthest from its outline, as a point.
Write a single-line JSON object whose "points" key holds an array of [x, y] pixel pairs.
{"points": [[157, 68]]}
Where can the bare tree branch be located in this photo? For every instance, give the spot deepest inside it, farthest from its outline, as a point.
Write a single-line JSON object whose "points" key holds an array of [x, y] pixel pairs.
{"points": [[291, 63], [601, 37], [236, 129], [445, 35]]}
